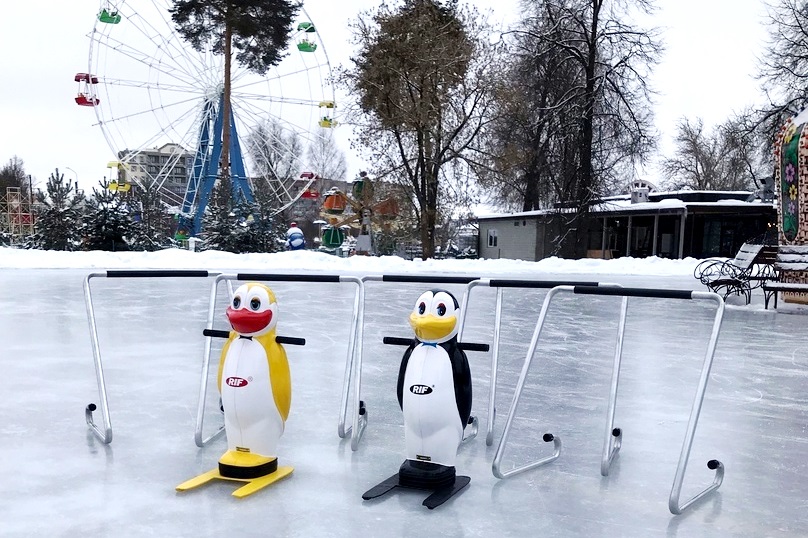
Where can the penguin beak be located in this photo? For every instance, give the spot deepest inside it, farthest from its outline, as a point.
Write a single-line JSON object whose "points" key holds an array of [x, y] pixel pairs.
{"points": [[245, 322], [431, 328]]}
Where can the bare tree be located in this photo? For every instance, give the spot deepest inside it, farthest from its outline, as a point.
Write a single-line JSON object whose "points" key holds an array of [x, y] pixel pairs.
{"points": [[327, 160], [784, 64], [275, 152], [422, 84], [532, 141], [574, 113], [722, 159]]}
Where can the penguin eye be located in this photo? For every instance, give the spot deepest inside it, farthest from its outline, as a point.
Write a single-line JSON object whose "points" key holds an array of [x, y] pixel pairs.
{"points": [[421, 307], [255, 303], [443, 305], [236, 302]]}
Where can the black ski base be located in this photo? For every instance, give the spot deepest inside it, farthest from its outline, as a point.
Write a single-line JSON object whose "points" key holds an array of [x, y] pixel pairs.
{"points": [[439, 479]]}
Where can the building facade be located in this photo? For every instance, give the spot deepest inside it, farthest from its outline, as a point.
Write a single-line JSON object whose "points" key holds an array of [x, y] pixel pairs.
{"points": [[698, 224], [169, 166]]}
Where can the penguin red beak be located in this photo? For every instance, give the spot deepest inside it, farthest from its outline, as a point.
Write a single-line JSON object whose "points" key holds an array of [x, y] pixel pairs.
{"points": [[244, 321]]}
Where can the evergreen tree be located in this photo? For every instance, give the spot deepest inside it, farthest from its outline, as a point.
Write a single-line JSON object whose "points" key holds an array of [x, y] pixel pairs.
{"points": [[249, 225], [268, 225], [218, 222], [13, 174], [257, 31], [58, 215], [242, 226], [107, 220], [151, 229]]}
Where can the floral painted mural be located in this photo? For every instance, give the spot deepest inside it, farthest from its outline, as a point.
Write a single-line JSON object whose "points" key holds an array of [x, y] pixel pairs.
{"points": [[789, 182], [791, 179]]}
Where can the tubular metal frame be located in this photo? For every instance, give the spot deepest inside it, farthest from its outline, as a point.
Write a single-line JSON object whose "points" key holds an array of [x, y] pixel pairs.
{"points": [[614, 436], [499, 284], [104, 433], [360, 417]]}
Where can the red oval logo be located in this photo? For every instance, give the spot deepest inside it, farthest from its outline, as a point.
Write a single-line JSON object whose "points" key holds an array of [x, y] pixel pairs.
{"points": [[235, 382]]}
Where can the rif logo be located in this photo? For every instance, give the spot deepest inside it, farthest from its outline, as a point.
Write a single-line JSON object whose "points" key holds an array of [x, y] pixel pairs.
{"points": [[420, 389], [236, 382]]}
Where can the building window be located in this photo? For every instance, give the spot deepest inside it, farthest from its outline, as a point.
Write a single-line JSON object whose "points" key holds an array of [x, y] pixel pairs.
{"points": [[492, 238]]}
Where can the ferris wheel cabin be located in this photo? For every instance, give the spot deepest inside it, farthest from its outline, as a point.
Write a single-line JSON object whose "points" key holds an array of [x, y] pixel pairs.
{"points": [[326, 120], [109, 17], [305, 44], [86, 93]]}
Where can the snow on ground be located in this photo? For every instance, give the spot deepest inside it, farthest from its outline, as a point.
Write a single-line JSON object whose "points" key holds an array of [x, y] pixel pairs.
{"points": [[311, 261]]}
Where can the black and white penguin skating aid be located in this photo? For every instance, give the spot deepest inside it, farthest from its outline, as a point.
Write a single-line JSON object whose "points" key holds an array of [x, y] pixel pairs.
{"points": [[434, 392]]}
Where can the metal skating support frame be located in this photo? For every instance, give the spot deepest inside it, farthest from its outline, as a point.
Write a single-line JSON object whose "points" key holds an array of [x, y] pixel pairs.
{"points": [[614, 435], [354, 349], [360, 418], [499, 284], [104, 432]]}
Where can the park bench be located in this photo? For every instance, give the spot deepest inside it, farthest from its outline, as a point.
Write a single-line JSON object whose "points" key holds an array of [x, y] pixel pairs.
{"points": [[751, 268], [789, 258]]}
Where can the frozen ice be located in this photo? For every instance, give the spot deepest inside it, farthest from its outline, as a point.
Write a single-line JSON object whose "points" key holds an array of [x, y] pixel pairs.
{"points": [[57, 479]]}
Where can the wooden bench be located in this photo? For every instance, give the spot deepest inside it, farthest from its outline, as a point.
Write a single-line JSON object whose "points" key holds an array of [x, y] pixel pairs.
{"points": [[751, 268], [790, 258]]}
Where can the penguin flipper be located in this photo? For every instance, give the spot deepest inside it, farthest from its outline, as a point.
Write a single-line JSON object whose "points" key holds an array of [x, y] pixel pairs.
{"points": [[402, 371], [280, 377], [462, 382]]}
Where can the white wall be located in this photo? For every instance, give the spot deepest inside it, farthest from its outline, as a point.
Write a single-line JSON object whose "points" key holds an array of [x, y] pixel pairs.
{"points": [[508, 238]]}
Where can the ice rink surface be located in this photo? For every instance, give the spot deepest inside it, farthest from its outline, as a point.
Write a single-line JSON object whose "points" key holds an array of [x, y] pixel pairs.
{"points": [[57, 479]]}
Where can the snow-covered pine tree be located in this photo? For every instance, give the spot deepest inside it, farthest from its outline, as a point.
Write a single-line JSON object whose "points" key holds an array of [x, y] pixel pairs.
{"points": [[107, 220], [268, 227], [240, 227], [151, 229], [218, 222], [249, 240], [58, 215]]}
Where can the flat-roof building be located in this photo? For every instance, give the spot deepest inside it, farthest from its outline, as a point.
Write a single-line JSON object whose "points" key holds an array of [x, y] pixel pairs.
{"points": [[680, 224]]}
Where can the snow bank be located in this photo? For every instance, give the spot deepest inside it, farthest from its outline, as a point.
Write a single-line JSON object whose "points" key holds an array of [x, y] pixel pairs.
{"points": [[310, 261]]}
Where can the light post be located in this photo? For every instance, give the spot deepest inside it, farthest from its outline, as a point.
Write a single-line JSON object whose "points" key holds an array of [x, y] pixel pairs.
{"points": [[76, 179], [75, 174]]}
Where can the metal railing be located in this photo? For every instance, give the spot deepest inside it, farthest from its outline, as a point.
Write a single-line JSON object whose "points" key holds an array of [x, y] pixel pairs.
{"points": [[500, 284], [614, 435], [355, 336], [104, 433]]}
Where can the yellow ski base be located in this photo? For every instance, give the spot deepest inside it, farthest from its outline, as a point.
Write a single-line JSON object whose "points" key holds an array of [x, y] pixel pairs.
{"points": [[252, 484]]}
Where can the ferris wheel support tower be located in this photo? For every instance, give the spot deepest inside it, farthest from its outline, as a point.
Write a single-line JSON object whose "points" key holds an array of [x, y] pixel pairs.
{"points": [[206, 170]]}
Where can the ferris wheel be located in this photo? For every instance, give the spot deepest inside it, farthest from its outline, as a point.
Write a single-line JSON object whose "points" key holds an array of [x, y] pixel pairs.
{"points": [[157, 100]]}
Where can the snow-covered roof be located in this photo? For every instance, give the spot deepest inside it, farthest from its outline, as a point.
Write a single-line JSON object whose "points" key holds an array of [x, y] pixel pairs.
{"points": [[669, 203]]}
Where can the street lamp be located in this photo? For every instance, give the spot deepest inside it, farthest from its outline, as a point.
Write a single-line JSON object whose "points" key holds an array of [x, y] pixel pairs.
{"points": [[77, 177]]}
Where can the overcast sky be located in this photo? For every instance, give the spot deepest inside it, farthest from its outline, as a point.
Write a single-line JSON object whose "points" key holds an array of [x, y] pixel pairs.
{"points": [[707, 71]]}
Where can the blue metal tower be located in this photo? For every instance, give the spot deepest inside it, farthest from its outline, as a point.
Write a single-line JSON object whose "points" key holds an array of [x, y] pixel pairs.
{"points": [[206, 169]]}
